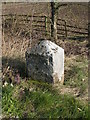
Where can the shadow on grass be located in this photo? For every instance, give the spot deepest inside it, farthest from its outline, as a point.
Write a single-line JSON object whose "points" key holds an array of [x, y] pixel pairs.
{"points": [[15, 64]]}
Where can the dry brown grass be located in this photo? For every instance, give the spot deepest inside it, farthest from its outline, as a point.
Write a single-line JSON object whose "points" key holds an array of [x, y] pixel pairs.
{"points": [[17, 37]]}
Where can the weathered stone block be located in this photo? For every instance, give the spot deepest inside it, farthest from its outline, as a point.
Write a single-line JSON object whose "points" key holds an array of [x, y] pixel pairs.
{"points": [[45, 62]]}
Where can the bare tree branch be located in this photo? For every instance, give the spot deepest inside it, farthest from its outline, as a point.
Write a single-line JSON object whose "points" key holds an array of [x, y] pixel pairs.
{"points": [[60, 5]]}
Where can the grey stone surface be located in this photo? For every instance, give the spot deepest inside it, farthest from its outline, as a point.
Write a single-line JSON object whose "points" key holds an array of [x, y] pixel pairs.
{"points": [[45, 62]]}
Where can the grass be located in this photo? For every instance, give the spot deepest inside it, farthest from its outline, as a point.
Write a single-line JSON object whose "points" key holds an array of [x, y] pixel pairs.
{"points": [[33, 99], [76, 74]]}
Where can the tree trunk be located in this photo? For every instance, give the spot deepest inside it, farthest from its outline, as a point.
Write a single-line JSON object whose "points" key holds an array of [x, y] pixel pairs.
{"points": [[53, 23]]}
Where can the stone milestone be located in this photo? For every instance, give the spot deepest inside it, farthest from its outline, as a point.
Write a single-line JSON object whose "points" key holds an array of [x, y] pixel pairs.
{"points": [[45, 62]]}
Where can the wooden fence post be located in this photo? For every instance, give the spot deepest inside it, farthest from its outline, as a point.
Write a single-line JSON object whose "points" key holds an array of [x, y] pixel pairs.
{"points": [[65, 30], [46, 25]]}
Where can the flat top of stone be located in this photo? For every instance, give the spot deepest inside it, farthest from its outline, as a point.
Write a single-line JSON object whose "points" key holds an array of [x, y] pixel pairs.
{"points": [[44, 47]]}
